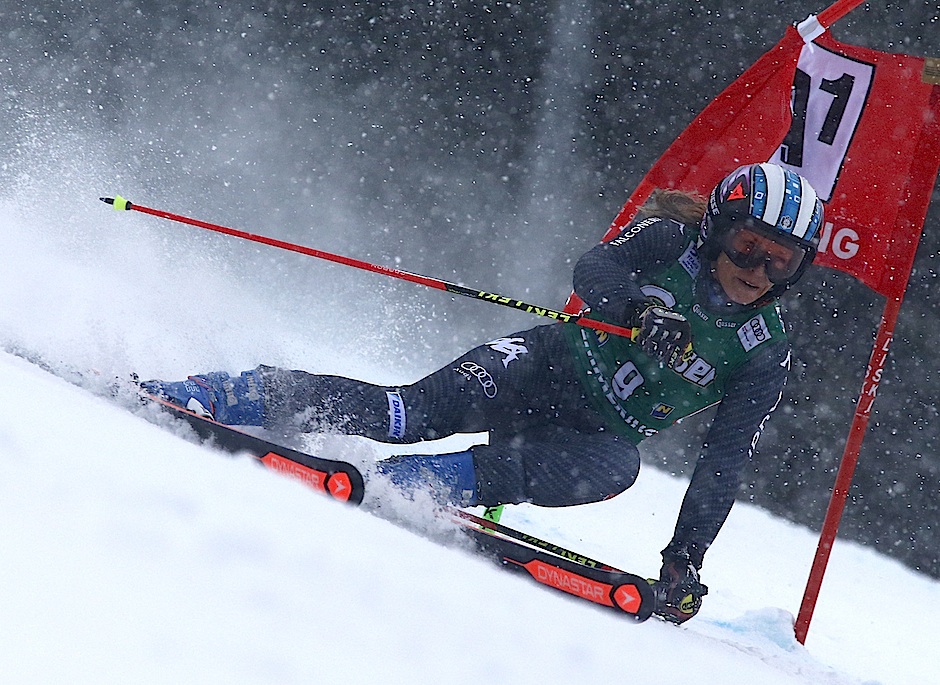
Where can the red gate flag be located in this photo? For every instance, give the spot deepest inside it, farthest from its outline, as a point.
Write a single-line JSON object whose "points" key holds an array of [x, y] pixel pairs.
{"points": [[863, 127], [860, 125]]}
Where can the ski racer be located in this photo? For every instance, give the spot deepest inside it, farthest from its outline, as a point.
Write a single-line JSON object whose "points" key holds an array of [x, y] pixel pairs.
{"points": [[565, 406]]}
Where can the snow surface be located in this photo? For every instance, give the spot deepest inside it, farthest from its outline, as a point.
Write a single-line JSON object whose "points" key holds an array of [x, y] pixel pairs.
{"points": [[133, 555], [129, 554]]}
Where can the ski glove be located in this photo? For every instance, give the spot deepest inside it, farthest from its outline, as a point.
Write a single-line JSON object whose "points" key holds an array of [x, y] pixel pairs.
{"points": [[678, 591], [663, 334]]}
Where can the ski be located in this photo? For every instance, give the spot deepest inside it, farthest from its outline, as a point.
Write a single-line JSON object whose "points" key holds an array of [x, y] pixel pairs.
{"points": [[624, 593], [548, 564], [338, 479]]}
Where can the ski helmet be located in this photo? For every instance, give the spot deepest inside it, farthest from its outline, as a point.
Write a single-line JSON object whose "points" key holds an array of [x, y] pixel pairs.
{"points": [[773, 202]]}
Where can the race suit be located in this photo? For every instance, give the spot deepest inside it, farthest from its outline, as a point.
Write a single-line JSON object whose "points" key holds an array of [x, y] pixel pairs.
{"points": [[565, 406]]}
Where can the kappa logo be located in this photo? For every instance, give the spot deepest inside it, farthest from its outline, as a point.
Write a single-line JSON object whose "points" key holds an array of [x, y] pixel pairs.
{"points": [[470, 370], [511, 347]]}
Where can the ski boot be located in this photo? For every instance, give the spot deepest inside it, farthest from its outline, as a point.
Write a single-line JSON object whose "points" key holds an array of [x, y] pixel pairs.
{"points": [[232, 401], [449, 478]]}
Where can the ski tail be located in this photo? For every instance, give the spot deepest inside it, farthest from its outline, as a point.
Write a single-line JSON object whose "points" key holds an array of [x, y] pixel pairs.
{"points": [[339, 480]]}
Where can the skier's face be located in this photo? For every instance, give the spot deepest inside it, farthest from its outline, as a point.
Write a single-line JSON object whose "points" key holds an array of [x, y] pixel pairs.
{"points": [[743, 286]]}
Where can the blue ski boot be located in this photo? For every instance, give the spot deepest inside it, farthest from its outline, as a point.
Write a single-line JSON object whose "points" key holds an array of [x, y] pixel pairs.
{"points": [[233, 401], [450, 478]]}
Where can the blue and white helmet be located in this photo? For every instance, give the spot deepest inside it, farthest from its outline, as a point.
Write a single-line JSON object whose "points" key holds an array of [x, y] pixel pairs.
{"points": [[774, 201]]}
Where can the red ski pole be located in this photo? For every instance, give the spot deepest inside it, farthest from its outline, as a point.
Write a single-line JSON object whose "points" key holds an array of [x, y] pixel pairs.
{"points": [[120, 203]]}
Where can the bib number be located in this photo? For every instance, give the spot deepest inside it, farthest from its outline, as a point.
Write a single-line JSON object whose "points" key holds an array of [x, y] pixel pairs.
{"points": [[627, 379]]}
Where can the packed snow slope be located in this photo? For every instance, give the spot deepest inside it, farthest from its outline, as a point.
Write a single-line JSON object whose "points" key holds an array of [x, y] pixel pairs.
{"points": [[131, 554]]}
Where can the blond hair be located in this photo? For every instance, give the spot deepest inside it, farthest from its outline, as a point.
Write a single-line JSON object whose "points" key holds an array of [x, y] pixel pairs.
{"points": [[687, 208]]}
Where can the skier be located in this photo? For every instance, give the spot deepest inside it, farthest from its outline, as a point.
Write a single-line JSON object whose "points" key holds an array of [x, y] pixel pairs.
{"points": [[565, 406]]}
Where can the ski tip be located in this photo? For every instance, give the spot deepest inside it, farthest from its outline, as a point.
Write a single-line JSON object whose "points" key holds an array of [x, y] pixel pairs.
{"points": [[117, 202]]}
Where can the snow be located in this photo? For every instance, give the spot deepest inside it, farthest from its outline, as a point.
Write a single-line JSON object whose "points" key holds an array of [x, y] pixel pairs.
{"points": [[131, 554]]}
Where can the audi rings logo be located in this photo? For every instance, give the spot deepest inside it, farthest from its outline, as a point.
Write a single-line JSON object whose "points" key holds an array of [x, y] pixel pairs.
{"points": [[473, 370]]}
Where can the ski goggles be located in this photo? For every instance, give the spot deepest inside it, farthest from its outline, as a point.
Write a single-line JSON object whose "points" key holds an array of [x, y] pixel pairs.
{"points": [[748, 247]]}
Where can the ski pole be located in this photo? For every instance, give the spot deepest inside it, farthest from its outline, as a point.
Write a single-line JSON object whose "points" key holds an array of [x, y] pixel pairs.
{"points": [[557, 550], [120, 203]]}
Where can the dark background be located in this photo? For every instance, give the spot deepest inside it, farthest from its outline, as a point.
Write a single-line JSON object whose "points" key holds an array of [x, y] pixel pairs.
{"points": [[490, 143]]}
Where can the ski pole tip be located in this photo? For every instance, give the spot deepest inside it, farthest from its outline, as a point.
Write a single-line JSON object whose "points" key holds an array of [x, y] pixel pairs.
{"points": [[117, 201]]}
